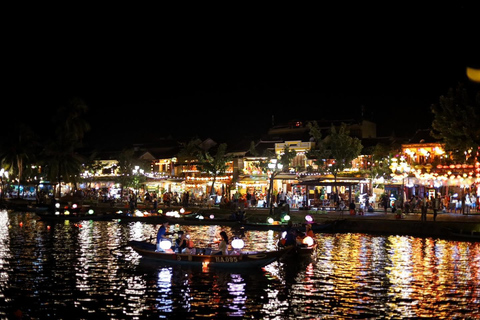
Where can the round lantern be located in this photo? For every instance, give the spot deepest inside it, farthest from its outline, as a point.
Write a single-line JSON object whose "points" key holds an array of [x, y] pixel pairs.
{"points": [[308, 241], [165, 244], [286, 217], [238, 244], [308, 218], [270, 220]]}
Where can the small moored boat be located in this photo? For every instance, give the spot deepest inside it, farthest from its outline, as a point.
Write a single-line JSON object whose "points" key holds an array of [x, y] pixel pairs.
{"points": [[242, 260]]}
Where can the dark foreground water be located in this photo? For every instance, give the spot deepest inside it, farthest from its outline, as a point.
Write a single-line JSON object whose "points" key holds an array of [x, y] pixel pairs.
{"points": [[85, 271]]}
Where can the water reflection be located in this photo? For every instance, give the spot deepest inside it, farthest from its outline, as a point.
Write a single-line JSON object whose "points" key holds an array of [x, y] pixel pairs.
{"points": [[78, 270]]}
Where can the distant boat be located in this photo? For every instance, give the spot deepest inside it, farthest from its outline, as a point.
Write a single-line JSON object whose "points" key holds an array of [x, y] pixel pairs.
{"points": [[470, 236], [51, 217], [316, 226], [190, 219], [242, 260]]}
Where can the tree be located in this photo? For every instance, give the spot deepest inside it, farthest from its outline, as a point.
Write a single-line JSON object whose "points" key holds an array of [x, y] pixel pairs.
{"points": [[214, 165], [287, 157], [19, 152], [337, 151], [126, 166], [62, 161], [457, 123]]}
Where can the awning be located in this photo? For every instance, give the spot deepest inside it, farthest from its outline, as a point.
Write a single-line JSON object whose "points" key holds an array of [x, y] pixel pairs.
{"points": [[253, 179]]}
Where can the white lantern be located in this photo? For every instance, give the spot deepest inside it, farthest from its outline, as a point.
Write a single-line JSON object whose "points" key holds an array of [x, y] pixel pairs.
{"points": [[57, 205], [270, 220], [90, 211], [238, 244], [165, 244], [309, 218], [286, 217], [308, 241], [212, 216], [182, 211]]}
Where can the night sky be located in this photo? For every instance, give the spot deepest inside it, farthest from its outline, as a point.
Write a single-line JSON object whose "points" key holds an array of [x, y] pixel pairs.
{"points": [[225, 76]]}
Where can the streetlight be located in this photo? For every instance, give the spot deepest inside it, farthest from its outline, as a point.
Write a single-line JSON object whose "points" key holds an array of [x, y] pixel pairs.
{"points": [[273, 165]]}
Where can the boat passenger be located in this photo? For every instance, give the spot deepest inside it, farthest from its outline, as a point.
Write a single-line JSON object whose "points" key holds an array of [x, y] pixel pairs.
{"points": [[291, 237], [181, 243], [223, 246], [309, 231], [161, 234]]}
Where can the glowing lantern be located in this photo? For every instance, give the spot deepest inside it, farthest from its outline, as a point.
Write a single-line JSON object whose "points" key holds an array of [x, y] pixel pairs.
{"points": [[270, 220], [212, 216], [57, 205], [182, 211], [238, 244], [473, 74], [308, 218], [165, 244], [286, 217], [308, 241], [74, 206], [90, 211]]}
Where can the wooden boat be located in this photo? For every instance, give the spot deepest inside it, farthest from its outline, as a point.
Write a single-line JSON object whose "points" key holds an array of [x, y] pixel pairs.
{"points": [[183, 220], [52, 217], [243, 260], [464, 235], [316, 227], [305, 250]]}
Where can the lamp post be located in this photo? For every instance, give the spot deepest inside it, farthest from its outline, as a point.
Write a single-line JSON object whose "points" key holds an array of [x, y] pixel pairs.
{"points": [[276, 167]]}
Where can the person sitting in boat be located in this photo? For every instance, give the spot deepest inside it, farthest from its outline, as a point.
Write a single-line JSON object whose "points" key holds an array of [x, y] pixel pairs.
{"points": [[223, 245], [309, 231], [162, 235], [181, 244], [291, 237]]}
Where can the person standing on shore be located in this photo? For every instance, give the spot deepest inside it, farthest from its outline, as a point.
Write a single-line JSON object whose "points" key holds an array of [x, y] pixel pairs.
{"points": [[436, 207], [424, 209]]}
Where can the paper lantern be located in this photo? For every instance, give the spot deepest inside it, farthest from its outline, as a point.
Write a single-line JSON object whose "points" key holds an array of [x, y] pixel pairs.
{"points": [[308, 241], [238, 244], [165, 244]]}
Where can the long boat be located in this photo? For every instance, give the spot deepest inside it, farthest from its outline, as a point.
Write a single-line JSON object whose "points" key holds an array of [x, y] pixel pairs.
{"points": [[242, 260], [465, 235], [316, 227], [52, 217], [182, 220]]}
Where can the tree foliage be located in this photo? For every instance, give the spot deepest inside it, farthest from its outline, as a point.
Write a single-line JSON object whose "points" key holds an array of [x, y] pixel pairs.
{"points": [[457, 122], [216, 164]]}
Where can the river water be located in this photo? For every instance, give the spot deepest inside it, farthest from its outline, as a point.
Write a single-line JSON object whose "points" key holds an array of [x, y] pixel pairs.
{"points": [[85, 270]]}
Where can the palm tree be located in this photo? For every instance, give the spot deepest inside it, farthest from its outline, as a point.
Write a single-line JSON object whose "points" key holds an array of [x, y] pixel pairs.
{"points": [[19, 152], [62, 161]]}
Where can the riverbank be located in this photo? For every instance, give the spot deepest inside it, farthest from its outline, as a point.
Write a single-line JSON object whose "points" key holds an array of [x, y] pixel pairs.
{"points": [[376, 222]]}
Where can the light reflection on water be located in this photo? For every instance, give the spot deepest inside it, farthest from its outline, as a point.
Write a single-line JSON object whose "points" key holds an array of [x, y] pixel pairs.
{"points": [[81, 270]]}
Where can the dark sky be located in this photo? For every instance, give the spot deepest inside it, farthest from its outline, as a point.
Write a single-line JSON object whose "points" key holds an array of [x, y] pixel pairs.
{"points": [[226, 75]]}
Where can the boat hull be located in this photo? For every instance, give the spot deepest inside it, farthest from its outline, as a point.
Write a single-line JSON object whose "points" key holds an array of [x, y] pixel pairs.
{"points": [[244, 260], [316, 227]]}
